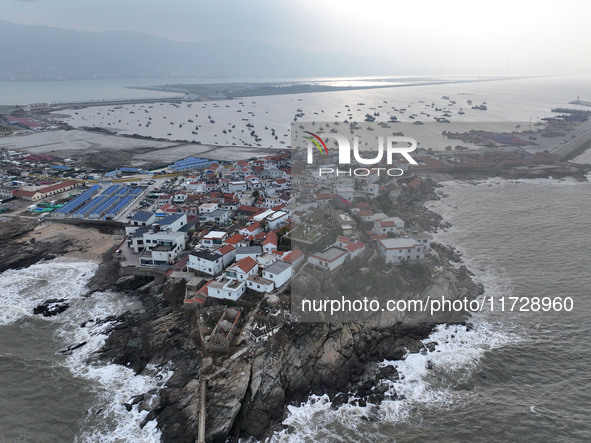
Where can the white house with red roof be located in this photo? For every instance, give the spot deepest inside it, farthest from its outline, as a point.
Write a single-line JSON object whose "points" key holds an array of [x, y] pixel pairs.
{"points": [[354, 247], [168, 209], [279, 254], [365, 215], [295, 257], [252, 229], [165, 198], [270, 243], [249, 209], [237, 240], [282, 182], [258, 239], [323, 198], [386, 225], [243, 269]]}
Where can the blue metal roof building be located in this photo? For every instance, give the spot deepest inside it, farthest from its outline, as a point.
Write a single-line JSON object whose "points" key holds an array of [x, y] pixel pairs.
{"points": [[109, 203], [191, 163], [123, 171], [120, 206], [78, 201]]}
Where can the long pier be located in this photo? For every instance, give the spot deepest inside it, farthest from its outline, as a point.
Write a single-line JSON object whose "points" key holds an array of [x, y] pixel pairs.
{"points": [[115, 102], [574, 147], [580, 102]]}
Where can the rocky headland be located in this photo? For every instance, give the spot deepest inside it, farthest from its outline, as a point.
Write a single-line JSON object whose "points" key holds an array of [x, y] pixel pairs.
{"points": [[250, 385]]}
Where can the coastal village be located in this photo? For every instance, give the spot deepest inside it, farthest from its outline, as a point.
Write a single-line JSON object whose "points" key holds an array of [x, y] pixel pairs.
{"points": [[230, 224], [232, 231], [233, 238], [237, 232]]}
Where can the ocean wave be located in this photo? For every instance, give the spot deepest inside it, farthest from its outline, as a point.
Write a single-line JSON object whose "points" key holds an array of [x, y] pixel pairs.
{"points": [[21, 290], [84, 324], [427, 379], [108, 419]]}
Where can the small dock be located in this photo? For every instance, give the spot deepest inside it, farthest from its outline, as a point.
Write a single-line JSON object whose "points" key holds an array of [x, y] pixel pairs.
{"points": [[580, 102]]}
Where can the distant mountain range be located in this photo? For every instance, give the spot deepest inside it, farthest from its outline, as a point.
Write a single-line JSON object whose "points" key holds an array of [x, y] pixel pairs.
{"points": [[41, 52]]}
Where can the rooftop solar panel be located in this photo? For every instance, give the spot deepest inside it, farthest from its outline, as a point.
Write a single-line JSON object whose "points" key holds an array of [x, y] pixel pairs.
{"points": [[78, 201], [104, 206], [120, 206]]}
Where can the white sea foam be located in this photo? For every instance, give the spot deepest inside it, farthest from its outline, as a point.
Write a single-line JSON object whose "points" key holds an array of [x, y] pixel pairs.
{"points": [[427, 379], [313, 419], [453, 360], [23, 289], [107, 420], [10, 314]]}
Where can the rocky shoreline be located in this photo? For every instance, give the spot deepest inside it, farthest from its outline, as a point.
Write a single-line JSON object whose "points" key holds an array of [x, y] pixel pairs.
{"points": [[17, 255], [248, 392]]}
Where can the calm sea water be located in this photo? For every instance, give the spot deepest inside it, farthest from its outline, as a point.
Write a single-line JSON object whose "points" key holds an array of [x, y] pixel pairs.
{"points": [[230, 122], [24, 92], [516, 377]]}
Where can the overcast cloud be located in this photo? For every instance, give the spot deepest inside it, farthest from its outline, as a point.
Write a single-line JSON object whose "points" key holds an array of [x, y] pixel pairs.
{"points": [[446, 36]]}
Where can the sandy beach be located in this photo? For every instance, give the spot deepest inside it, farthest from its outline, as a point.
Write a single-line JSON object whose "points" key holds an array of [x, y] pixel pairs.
{"points": [[87, 243]]}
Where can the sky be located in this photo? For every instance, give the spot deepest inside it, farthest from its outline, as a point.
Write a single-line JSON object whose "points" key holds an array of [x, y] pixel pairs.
{"points": [[439, 36]]}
